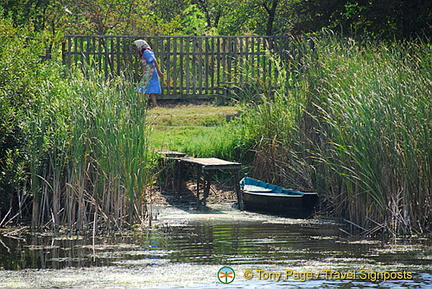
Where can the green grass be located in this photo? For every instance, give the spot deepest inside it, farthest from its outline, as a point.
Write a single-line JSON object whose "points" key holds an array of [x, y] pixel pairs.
{"points": [[198, 130], [192, 115]]}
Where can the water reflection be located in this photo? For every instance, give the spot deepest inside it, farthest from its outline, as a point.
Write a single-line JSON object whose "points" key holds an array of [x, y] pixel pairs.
{"points": [[206, 243], [234, 243]]}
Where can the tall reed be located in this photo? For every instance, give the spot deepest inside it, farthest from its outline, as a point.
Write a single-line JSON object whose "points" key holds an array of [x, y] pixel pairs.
{"points": [[376, 106], [356, 126], [91, 159]]}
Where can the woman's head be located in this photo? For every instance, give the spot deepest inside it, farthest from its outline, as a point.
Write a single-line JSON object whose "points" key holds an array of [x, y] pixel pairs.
{"points": [[141, 44]]}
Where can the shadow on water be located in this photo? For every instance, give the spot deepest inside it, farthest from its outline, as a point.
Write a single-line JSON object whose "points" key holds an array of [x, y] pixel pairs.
{"points": [[187, 202]]}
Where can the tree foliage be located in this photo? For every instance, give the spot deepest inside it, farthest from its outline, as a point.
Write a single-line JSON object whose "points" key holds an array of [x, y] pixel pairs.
{"points": [[20, 75], [376, 19], [400, 19]]}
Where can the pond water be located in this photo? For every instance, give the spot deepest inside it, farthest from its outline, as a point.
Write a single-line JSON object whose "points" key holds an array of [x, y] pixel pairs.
{"points": [[188, 249]]}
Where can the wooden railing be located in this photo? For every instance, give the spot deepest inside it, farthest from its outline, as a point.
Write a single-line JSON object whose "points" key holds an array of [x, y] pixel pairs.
{"points": [[194, 66]]}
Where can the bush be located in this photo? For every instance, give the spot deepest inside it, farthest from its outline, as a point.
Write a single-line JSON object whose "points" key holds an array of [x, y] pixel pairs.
{"points": [[19, 84]]}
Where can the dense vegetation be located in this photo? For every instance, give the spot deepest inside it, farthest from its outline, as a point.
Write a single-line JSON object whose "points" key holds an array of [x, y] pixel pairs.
{"points": [[356, 126], [351, 121], [374, 19], [74, 146], [350, 118]]}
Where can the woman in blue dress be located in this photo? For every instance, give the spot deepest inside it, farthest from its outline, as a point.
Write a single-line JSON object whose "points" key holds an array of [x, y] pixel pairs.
{"points": [[149, 83]]}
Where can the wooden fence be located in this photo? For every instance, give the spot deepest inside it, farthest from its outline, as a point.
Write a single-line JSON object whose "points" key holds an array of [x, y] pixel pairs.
{"points": [[194, 66]]}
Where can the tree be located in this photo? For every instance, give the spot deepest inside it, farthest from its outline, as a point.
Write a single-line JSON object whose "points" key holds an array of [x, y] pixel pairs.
{"points": [[271, 11], [101, 16], [378, 19], [237, 17]]}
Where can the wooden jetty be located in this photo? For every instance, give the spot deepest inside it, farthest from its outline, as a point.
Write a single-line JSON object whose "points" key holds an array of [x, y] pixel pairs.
{"points": [[206, 167]]}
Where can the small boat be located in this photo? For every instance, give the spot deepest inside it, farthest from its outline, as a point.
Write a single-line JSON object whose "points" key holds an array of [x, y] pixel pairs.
{"points": [[264, 197]]}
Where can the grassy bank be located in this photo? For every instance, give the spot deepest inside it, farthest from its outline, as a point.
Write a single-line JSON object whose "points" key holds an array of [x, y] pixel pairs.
{"points": [[198, 130]]}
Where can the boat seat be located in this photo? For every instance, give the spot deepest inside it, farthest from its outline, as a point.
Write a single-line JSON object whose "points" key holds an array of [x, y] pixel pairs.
{"points": [[252, 188]]}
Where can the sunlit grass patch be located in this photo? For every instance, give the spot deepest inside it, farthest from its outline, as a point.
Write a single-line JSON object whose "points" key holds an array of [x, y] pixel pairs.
{"points": [[200, 130], [184, 115]]}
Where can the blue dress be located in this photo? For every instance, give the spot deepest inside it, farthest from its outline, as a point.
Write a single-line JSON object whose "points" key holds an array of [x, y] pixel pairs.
{"points": [[153, 86]]}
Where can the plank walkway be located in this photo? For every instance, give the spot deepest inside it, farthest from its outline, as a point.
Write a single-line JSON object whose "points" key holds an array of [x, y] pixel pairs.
{"points": [[212, 163], [204, 167]]}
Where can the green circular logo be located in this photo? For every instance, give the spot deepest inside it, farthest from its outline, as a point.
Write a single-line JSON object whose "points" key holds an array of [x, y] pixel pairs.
{"points": [[226, 275]]}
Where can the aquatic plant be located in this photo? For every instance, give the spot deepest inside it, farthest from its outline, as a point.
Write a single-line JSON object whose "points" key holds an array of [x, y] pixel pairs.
{"points": [[356, 126], [377, 112], [76, 150], [92, 165]]}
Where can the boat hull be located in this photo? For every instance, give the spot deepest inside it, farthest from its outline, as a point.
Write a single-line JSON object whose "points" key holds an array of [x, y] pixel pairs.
{"points": [[263, 197]]}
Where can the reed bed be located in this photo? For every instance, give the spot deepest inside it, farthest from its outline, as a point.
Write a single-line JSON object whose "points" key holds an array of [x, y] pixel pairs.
{"points": [[90, 163], [355, 125], [75, 152], [351, 121]]}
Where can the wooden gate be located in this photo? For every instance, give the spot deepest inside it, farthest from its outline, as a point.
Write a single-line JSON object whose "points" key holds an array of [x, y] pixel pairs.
{"points": [[194, 66]]}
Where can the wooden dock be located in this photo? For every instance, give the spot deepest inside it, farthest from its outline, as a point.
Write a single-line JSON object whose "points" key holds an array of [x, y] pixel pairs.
{"points": [[206, 167]]}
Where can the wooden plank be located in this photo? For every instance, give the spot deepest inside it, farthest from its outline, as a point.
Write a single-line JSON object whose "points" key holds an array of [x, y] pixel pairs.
{"points": [[216, 74], [239, 62], [266, 63], [245, 59], [227, 68], [119, 55], [206, 48], [212, 163], [212, 58], [252, 57], [200, 65], [67, 53], [187, 83], [109, 46], [90, 51], [195, 66], [167, 67], [75, 48], [173, 74], [182, 66]]}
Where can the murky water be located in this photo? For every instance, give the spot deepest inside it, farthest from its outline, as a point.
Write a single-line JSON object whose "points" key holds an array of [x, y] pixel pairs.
{"points": [[186, 249]]}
